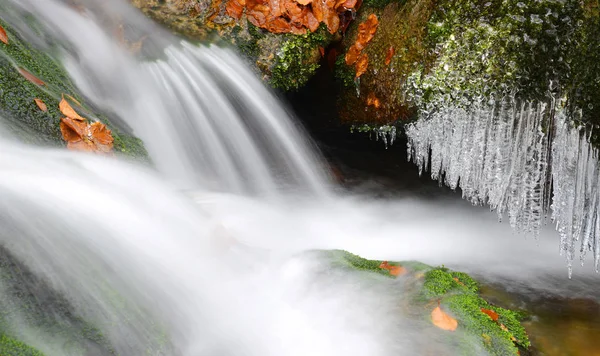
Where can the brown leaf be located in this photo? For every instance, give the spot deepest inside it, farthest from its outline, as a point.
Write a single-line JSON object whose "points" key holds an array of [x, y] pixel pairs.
{"points": [[352, 55], [372, 100], [40, 104], [313, 23], [389, 55], [234, 9], [394, 269], [304, 2], [322, 51], [102, 137], [68, 111], [73, 130], [3, 35], [361, 64], [492, 314], [30, 77], [279, 25], [443, 320], [72, 99]]}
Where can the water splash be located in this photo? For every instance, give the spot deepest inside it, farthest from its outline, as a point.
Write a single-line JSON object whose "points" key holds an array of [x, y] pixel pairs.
{"points": [[523, 159]]}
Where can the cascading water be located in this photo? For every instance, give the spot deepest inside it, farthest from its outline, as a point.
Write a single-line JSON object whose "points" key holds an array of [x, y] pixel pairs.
{"points": [[221, 274], [203, 116]]}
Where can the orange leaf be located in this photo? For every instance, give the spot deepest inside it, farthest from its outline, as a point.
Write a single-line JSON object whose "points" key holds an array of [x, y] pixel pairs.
{"points": [[389, 55], [322, 51], [3, 35], [397, 270], [102, 137], [32, 78], [443, 320], [304, 2], [73, 130], [352, 55], [72, 99], [373, 100], [40, 104], [458, 281], [492, 314], [361, 64], [68, 111]]}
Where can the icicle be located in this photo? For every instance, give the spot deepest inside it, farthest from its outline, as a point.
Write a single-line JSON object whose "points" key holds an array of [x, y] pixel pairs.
{"points": [[525, 160]]}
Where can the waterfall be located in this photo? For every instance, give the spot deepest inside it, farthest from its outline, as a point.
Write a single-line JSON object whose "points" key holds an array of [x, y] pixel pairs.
{"points": [[523, 159], [204, 117]]}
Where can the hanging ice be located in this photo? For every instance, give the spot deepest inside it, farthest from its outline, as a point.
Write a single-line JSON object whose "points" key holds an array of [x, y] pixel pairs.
{"points": [[525, 160]]}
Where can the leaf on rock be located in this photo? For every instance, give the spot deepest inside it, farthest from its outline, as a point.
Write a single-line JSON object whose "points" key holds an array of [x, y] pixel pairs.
{"points": [[30, 77], [72, 130], [361, 64], [443, 320], [388, 57], [372, 100], [492, 314], [66, 109], [234, 9], [3, 35], [102, 137], [394, 269], [40, 104]]}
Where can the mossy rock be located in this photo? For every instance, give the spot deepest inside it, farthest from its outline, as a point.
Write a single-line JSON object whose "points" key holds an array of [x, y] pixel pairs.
{"points": [[23, 117], [458, 295], [31, 311], [12, 347], [401, 29], [284, 61]]}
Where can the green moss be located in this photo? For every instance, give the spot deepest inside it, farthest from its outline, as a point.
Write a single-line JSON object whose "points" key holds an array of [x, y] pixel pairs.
{"points": [[381, 3], [295, 62], [357, 262], [12, 347], [466, 308], [344, 73], [458, 294], [17, 96]]}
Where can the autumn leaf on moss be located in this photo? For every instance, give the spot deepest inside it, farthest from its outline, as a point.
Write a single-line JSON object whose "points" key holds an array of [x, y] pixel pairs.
{"points": [[66, 109], [82, 136], [366, 32], [40, 104], [372, 100], [3, 35], [394, 269], [492, 314], [30, 77], [443, 320]]}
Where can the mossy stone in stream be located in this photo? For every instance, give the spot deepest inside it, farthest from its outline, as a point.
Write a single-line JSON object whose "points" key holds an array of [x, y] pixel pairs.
{"points": [[12, 347], [17, 95], [458, 295]]}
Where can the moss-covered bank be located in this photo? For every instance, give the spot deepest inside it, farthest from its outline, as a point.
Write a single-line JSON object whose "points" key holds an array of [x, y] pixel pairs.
{"points": [[17, 95]]}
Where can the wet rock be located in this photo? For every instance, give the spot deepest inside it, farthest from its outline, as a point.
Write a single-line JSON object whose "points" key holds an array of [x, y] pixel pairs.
{"points": [[21, 114]]}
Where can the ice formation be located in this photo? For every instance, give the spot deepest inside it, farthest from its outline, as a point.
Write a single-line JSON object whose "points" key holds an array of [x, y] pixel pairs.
{"points": [[525, 160]]}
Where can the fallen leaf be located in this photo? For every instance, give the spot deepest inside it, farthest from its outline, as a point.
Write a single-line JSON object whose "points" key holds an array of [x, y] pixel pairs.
{"points": [[503, 327], [30, 77], [322, 51], [389, 55], [81, 136], [361, 65], [234, 9], [352, 55], [68, 111], [443, 320], [372, 100], [3, 35], [304, 2], [458, 281], [492, 314], [393, 269], [40, 104]]}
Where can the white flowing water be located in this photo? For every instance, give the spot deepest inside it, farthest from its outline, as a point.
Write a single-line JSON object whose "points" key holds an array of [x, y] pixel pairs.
{"points": [[204, 117], [163, 271]]}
